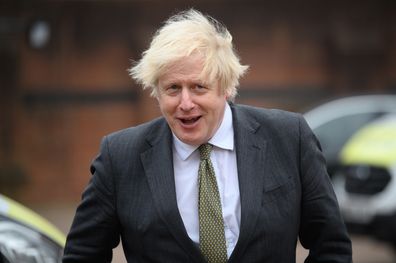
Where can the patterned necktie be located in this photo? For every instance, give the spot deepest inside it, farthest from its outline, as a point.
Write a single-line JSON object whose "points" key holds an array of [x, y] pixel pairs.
{"points": [[211, 226]]}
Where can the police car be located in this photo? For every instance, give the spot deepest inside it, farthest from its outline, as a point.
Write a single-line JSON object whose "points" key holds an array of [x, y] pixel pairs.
{"points": [[365, 184], [26, 237], [336, 121]]}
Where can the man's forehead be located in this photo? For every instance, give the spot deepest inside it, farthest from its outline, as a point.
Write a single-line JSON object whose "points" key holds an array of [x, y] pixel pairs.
{"points": [[190, 68]]}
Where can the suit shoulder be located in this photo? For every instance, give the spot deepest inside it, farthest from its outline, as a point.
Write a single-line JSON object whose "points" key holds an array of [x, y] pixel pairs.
{"points": [[268, 115], [137, 133]]}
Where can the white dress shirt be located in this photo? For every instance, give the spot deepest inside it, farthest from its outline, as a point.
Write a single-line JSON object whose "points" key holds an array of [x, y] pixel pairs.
{"points": [[186, 162]]}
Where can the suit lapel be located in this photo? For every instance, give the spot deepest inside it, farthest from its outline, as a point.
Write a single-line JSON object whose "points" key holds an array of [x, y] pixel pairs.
{"points": [[158, 166], [250, 150]]}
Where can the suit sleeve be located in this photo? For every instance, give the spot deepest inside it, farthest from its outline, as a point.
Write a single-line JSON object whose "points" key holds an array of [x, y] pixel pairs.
{"points": [[322, 229], [95, 229]]}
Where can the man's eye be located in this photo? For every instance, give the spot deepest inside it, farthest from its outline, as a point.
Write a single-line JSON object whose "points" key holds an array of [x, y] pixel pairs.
{"points": [[172, 89], [199, 88]]}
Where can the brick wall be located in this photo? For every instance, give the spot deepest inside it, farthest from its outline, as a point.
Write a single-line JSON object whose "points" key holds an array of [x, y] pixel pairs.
{"points": [[62, 99]]}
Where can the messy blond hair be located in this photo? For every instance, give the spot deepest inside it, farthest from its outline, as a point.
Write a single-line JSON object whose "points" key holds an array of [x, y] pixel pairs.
{"points": [[182, 35]]}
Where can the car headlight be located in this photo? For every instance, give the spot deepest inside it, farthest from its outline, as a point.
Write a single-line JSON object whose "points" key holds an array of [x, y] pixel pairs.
{"points": [[19, 243]]}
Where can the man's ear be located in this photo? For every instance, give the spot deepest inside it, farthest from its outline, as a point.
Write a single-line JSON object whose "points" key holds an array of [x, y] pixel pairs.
{"points": [[227, 94]]}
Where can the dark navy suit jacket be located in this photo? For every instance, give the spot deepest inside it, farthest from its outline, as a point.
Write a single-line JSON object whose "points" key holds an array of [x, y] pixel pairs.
{"points": [[285, 194]]}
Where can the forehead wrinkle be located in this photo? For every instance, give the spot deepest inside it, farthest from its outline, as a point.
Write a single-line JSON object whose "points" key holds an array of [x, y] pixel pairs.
{"points": [[186, 70], [181, 79]]}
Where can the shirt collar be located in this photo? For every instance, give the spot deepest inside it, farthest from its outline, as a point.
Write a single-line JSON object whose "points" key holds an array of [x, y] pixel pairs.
{"points": [[223, 138]]}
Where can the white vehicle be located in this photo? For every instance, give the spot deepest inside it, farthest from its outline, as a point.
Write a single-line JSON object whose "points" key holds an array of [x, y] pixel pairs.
{"points": [[365, 184], [358, 138]]}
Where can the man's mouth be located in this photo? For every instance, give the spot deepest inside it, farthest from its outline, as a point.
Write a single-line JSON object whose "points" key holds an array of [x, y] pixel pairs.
{"points": [[189, 121]]}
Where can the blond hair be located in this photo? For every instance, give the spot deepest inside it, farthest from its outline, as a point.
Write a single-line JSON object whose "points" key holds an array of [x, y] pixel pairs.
{"points": [[183, 34]]}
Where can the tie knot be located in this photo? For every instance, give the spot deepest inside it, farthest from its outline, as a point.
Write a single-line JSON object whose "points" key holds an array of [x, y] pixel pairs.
{"points": [[204, 151]]}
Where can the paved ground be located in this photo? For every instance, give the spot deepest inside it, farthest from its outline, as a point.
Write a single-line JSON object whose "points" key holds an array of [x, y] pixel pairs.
{"points": [[365, 250]]}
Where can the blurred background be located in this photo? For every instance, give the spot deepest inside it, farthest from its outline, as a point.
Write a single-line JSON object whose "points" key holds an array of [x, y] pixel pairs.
{"points": [[64, 82]]}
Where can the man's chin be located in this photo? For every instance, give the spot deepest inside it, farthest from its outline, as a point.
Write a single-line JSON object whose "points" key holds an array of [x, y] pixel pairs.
{"points": [[190, 140]]}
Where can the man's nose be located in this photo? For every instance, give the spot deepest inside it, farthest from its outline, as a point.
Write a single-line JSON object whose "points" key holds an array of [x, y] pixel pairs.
{"points": [[186, 100]]}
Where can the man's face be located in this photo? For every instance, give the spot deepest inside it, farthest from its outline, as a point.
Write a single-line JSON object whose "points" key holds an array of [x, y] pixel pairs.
{"points": [[193, 108]]}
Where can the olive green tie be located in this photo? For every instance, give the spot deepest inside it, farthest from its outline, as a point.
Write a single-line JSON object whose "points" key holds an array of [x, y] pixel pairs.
{"points": [[211, 226]]}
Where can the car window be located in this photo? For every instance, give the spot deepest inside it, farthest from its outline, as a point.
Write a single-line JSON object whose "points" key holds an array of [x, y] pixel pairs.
{"points": [[335, 133]]}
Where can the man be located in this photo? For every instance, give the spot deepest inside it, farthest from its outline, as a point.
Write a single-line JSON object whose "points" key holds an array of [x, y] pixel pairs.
{"points": [[210, 181]]}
